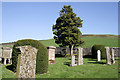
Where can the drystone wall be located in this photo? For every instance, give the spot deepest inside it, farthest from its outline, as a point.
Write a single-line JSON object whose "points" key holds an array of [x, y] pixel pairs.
{"points": [[86, 51]]}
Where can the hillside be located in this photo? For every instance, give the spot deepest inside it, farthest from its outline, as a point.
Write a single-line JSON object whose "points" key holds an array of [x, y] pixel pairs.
{"points": [[111, 41], [90, 40]]}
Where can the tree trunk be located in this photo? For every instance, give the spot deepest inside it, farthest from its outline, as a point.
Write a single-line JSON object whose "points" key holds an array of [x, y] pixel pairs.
{"points": [[71, 49]]}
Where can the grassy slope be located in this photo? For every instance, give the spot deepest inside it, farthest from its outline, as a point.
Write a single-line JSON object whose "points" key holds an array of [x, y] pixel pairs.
{"points": [[90, 69], [89, 41]]}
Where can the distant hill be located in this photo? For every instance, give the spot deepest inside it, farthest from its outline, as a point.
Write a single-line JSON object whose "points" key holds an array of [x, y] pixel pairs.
{"points": [[90, 40]]}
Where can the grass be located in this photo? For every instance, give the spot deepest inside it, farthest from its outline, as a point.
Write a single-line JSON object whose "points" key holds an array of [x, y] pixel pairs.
{"points": [[90, 69], [89, 41]]}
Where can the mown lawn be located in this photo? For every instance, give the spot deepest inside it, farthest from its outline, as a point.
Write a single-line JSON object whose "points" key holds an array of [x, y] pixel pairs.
{"points": [[90, 69]]}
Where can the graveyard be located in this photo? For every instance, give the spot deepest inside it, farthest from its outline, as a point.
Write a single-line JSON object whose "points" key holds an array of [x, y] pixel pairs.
{"points": [[90, 69], [62, 69], [62, 50]]}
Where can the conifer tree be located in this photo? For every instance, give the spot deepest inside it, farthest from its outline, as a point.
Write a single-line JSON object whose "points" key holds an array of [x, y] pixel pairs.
{"points": [[66, 29]]}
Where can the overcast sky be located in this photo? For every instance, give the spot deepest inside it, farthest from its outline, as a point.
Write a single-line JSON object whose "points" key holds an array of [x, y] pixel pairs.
{"points": [[34, 20]]}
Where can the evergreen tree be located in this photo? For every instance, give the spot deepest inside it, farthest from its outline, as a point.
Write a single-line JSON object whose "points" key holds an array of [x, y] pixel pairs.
{"points": [[66, 29]]}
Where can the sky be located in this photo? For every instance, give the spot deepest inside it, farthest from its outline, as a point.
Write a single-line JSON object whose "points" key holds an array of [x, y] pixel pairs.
{"points": [[34, 20]]}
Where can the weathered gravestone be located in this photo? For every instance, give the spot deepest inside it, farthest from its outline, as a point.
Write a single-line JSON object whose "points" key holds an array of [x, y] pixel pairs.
{"points": [[80, 56], [113, 56], [51, 54], [73, 61], [99, 55], [6, 54], [26, 65], [108, 59]]}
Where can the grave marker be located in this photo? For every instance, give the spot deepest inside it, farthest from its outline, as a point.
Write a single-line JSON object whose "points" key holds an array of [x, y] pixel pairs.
{"points": [[112, 56], [73, 61], [99, 55], [80, 56], [26, 65], [6, 54], [108, 59], [51, 54]]}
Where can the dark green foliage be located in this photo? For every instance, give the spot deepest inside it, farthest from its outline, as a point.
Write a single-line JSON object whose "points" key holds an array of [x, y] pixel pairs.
{"points": [[66, 29], [41, 58], [98, 47]]}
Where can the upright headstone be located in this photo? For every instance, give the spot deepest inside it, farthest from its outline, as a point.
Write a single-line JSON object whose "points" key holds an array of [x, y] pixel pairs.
{"points": [[112, 56], [99, 55], [108, 59], [80, 56], [6, 54], [51, 54], [73, 61], [26, 65]]}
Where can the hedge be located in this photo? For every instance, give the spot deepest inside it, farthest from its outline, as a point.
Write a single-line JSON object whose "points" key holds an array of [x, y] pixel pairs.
{"points": [[97, 47], [41, 58]]}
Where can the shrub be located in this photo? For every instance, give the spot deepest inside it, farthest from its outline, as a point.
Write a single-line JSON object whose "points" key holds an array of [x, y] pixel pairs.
{"points": [[41, 57], [98, 47]]}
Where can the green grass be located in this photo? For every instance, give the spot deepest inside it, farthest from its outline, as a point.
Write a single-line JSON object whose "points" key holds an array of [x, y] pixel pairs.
{"points": [[89, 41], [49, 42], [90, 69]]}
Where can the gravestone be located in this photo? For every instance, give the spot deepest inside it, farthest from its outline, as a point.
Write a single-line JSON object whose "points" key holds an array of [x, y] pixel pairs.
{"points": [[112, 56], [108, 59], [26, 65], [99, 55], [6, 54], [80, 56], [51, 54], [73, 61]]}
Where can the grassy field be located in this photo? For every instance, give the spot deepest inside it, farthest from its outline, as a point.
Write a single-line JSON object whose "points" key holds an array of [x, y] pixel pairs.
{"points": [[61, 69], [89, 41]]}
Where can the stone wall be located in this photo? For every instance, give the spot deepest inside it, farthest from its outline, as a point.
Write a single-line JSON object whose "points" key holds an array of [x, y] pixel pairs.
{"points": [[86, 51], [116, 51]]}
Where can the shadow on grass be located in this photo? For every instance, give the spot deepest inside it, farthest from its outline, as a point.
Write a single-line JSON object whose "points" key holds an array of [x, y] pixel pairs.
{"points": [[59, 56], [97, 62], [10, 67], [67, 63], [87, 56]]}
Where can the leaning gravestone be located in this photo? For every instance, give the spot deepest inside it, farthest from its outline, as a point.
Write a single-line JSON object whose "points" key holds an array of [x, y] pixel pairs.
{"points": [[26, 65], [80, 56], [99, 55], [108, 55]]}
